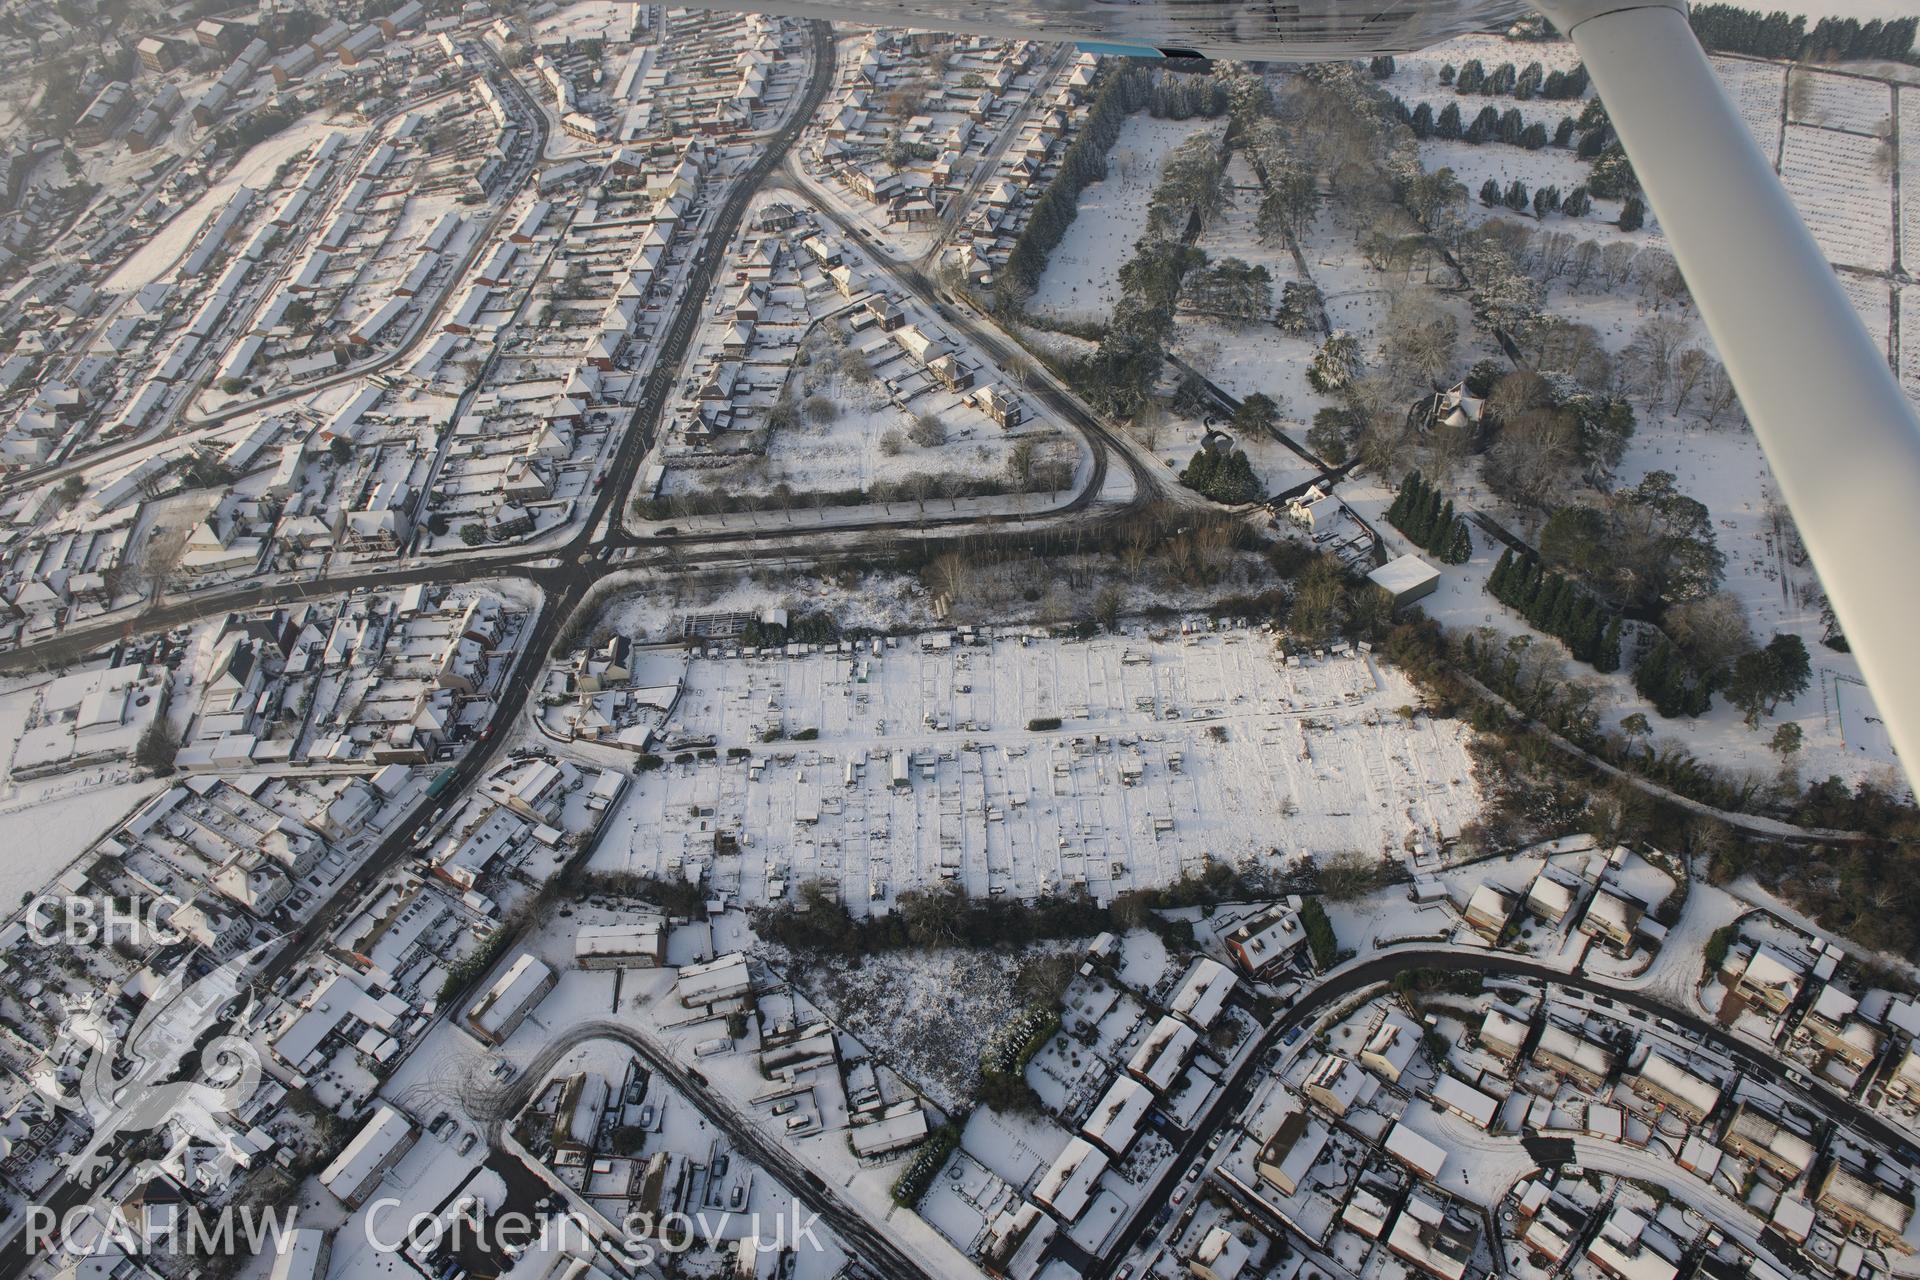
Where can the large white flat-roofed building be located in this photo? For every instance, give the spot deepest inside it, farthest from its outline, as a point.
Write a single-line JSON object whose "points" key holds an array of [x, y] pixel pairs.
{"points": [[303, 1255], [639, 945], [514, 994], [359, 1168], [713, 982], [1405, 578]]}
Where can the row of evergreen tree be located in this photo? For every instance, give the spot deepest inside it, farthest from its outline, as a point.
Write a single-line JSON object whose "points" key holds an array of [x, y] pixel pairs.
{"points": [[1124, 88], [1554, 603], [1532, 82], [1545, 200], [1183, 97], [1509, 126], [1726, 28], [1669, 682], [1424, 515]]}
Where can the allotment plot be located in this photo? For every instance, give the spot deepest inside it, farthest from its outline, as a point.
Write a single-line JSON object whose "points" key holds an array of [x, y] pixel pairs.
{"points": [[917, 764], [1843, 186]]}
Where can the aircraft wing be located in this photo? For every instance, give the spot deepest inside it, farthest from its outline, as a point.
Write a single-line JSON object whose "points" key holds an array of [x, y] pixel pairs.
{"points": [[1226, 29]]}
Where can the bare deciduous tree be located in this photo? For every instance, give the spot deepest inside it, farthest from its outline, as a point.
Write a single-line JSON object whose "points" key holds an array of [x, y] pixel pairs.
{"points": [[1419, 338]]}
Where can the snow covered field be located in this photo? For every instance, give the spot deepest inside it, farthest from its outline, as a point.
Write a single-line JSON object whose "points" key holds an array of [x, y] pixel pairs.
{"points": [[1724, 468], [1872, 300], [1837, 163], [1416, 76], [1843, 186], [1756, 89], [1839, 102], [1080, 281], [1910, 339], [1241, 361], [50, 822], [593, 20], [1553, 166], [1424, 65], [866, 443], [1909, 160], [1172, 751]]}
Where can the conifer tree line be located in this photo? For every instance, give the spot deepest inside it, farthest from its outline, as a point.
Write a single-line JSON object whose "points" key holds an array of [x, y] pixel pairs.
{"points": [[1726, 28], [1532, 82], [1420, 512], [1182, 97], [1124, 89], [1491, 124], [1552, 602]]}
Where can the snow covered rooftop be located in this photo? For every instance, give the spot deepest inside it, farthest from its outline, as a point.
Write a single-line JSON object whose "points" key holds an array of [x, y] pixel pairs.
{"points": [[1067, 1185], [1160, 1057], [363, 1161], [1406, 577], [513, 994], [1203, 992], [1418, 1152], [1464, 1100], [1116, 1117]]}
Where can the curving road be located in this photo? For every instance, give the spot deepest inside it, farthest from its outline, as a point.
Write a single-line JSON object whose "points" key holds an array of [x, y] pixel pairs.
{"points": [[180, 420], [1382, 968], [871, 1246], [957, 312], [565, 588], [567, 570]]}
